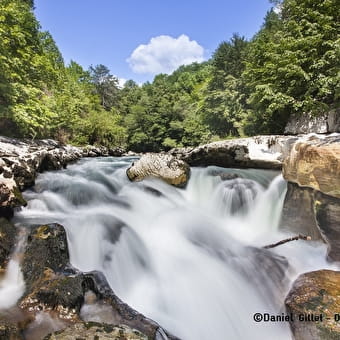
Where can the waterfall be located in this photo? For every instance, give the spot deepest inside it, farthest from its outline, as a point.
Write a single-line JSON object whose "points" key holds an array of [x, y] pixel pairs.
{"points": [[191, 259]]}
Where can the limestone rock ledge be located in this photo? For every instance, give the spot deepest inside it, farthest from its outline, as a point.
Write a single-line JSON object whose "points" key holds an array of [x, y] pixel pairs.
{"points": [[264, 152], [315, 163], [315, 294], [312, 203]]}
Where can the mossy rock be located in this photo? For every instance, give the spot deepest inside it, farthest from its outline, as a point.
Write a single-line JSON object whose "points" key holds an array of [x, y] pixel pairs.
{"points": [[315, 293]]}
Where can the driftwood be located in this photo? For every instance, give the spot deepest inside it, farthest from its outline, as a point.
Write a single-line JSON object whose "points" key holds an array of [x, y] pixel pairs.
{"points": [[295, 238]]}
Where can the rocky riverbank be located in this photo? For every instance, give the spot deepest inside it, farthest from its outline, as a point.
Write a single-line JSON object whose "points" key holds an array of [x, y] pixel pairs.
{"points": [[22, 160], [311, 166]]}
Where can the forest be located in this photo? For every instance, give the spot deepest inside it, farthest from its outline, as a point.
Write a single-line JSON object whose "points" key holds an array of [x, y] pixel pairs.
{"points": [[290, 66]]}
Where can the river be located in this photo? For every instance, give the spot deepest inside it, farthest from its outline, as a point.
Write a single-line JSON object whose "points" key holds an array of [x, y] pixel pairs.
{"points": [[191, 259]]}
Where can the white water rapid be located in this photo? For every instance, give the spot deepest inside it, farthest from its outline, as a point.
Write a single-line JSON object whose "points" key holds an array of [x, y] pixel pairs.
{"points": [[191, 259]]}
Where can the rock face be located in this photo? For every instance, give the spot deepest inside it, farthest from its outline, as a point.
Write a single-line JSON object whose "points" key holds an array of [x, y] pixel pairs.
{"points": [[166, 167], [312, 203], [7, 239], [98, 331], [21, 161], [265, 152], [307, 123], [315, 163], [315, 293], [298, 213]]}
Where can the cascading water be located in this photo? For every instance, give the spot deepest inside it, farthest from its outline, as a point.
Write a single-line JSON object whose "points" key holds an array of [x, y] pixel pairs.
{"points": [[191, 259]]}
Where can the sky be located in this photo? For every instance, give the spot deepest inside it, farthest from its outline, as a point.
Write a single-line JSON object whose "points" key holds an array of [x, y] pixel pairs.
{"points": [[137, 39]]}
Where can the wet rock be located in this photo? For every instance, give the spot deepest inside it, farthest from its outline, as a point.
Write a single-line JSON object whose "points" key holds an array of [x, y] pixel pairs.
{"points": [[298, 214], [97, 331], [163, 166], [9, 331], [265, 152], [53, 286], [46, 248], [51, 283], [316, 293], [315, 163], [7, 239], [327, 213], [225, 176]]}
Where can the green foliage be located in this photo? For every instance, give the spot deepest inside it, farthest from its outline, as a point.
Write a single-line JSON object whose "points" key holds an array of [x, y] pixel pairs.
{"points": [[293, 64], [290, 66]]}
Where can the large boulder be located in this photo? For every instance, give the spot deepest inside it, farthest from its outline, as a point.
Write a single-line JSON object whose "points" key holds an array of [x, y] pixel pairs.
{"points": [[312, 203], [265, 152], [298, 213], [166, 167], [314, 301], [315, 163]]}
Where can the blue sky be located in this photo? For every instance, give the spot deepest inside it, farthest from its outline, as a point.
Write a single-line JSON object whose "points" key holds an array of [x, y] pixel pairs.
{"points": [[137, 39]]}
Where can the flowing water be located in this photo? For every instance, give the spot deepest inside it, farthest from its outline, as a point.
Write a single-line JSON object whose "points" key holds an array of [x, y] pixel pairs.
{"points": [[191, 259]]}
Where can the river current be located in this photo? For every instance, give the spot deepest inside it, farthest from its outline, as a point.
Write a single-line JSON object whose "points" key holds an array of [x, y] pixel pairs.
{"points": [[191, 259]]}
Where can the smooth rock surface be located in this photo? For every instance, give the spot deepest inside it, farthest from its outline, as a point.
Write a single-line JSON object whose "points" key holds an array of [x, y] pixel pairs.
{"points": [[265, 152], [314, 162], [315, 293], [298, 213], [166, 167]]}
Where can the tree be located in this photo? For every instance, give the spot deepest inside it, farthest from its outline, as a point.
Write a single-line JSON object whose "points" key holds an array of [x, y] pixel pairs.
{"points": [[106, 85], [293, 64]]}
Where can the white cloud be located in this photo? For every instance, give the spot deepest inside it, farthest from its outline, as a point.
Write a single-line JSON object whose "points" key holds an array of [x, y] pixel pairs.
{"points": [[163, 54], [121, 82]]}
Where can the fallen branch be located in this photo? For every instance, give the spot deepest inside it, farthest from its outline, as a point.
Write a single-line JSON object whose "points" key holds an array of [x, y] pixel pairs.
{"points": [[295, 238]]}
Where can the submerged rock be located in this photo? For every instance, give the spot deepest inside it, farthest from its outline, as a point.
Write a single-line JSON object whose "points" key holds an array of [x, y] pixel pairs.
{"points": [[97, 331], [163, 166], [315, 294]]}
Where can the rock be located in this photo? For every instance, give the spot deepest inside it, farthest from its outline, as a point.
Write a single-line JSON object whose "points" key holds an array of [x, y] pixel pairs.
{"points": [[10, 197], [166, 167], [327, 213], [315, 163], [265, 152], [7, 239], [315, 293], [54, 286], [225, 176], [46, 249], [298, 213], [22, 160], [51, 283], [10, 331], [308, 123], [97, 331]]}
